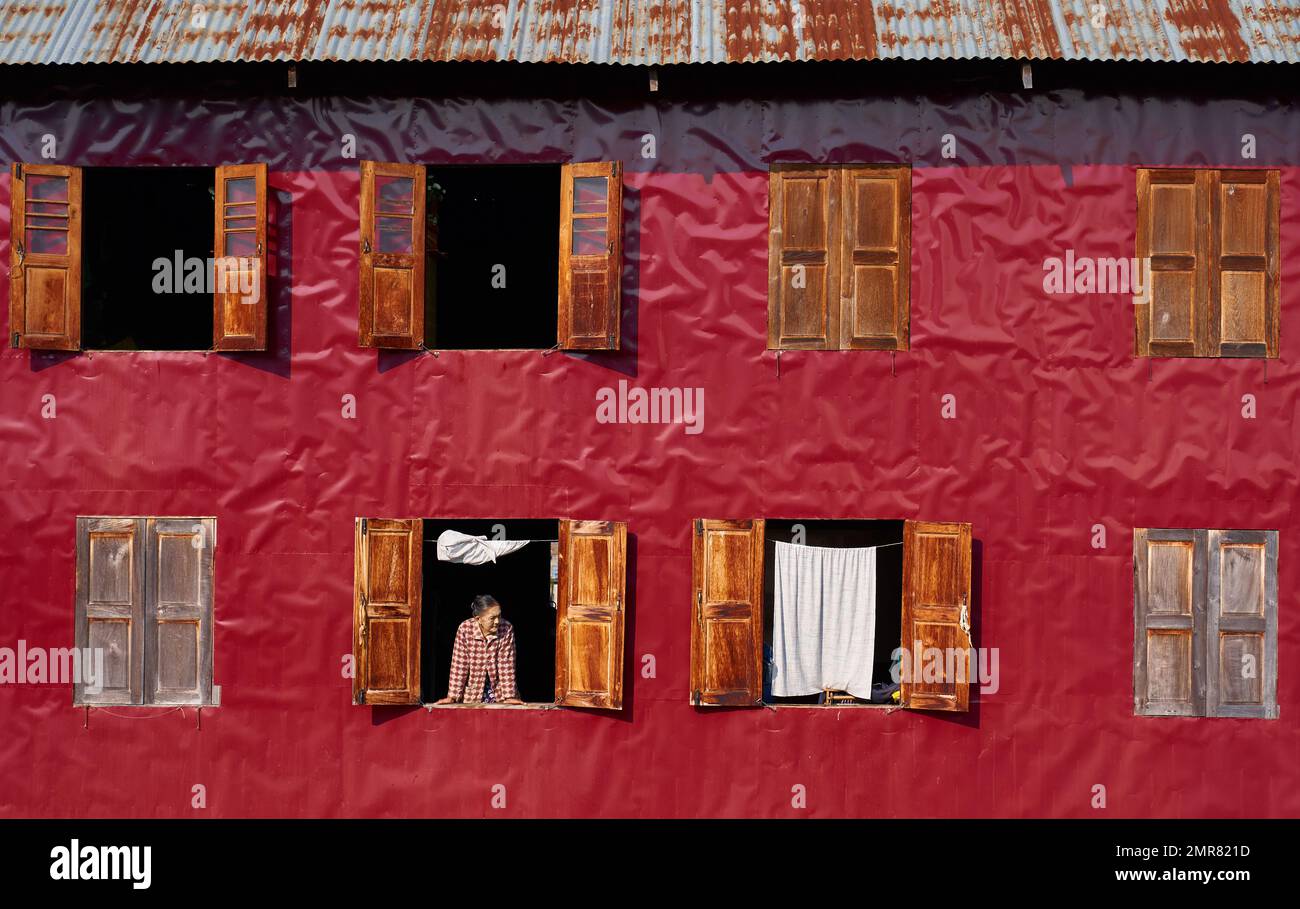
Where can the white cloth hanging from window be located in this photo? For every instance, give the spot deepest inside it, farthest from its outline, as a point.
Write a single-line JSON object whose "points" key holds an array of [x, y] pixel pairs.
{"points": [[824, 620], [454, 546]]}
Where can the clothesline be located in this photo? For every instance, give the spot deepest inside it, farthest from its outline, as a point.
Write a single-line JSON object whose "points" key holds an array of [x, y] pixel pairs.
{"points": [[879, 546]]}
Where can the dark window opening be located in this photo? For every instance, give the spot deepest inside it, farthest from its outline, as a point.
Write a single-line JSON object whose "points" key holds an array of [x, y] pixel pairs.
{"points": [[522, 581], [492, 257], [133, 217], [889, 598]]}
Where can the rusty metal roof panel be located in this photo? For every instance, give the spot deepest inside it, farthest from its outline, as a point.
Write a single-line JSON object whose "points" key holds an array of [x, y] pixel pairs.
{"points": [[641, 32]]}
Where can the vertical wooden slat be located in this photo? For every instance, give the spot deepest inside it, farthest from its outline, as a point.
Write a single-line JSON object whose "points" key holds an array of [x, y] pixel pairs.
{"points": [[387, 611], [1241, 638], [589, 636], [178, 610], [239, 320], [727, 613], [1169, 604], [45, 257], [875, 252], [937, 615], [591, 262], [803, 258], [110, 607], [392, 256], [1243, 279]]}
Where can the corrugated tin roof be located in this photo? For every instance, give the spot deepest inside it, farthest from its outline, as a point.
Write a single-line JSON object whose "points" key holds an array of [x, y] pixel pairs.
{"points": [[645, 31]]}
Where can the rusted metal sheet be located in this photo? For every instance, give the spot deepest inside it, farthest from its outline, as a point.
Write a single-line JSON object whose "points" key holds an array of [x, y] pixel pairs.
{"points": [[644, 32]]}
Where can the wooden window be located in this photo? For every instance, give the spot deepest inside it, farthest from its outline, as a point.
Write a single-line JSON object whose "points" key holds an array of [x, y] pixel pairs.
{"points": [[386, 611], [1205, 623], [589, 636], [45, 257], [392, 255], [591, 590], [239, 306], [591, 255], [839, 266], [49, 277], [1211, 237], [728, 605], [401, 269], [145, 602], [727, 631]]}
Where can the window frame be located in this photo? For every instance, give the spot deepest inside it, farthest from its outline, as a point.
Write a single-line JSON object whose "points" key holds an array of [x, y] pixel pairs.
{"points": [[144, 610]]}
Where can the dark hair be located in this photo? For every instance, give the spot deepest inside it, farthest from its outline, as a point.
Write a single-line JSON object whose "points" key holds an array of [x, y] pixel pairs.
{"points": [[482, 603]]}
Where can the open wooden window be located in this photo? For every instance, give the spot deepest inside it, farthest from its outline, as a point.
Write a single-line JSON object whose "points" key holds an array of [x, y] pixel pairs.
{"points": [[839, 266], [196, 237], [1211, 238], [1205, 623], [45, 257], [144, 605], [589, 642], [563, 593], [386, 611], [922, 616], [239, 306], [591, 255], [464, 257], [392, 255]]}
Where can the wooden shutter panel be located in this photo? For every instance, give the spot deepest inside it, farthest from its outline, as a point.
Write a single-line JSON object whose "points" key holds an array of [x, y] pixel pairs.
{"points": [[386, 614], [110, 606], [239, 304], [1173, 232], [1169, 622], [936, 614], [45, 257], [392, 255], [589, 642], [727, 634], [178, 610], [875, 257], [1241, 666], [591, 255], [803, 258], [1244, 281]]}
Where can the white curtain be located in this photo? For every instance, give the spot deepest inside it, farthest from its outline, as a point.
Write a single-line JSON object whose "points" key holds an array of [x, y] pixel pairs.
{"points": [[824, 620], [454, 546]]}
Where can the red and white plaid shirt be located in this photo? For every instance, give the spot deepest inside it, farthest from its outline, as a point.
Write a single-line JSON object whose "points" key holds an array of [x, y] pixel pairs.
{"points": [[476, 657]]}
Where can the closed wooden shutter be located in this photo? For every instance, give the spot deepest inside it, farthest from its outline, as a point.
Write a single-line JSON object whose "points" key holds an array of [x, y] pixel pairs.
{"points": [[239, 304], [1169, 622], [589, 638], [1241, 666], [110, 607], [803, 258], [727, 631], [591, 255], [936, 615], [386, 613], [392, 255], [45, 257], [1244, 280], [1173, 232], [178, 610], [875, 253]]}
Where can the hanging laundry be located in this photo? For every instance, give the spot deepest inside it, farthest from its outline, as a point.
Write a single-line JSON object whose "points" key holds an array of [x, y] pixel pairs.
{"points": [[454, 546], [824, 620]]}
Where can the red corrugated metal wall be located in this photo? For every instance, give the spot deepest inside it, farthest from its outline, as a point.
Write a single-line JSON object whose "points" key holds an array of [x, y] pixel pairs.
{"points": [[1058, 429]]}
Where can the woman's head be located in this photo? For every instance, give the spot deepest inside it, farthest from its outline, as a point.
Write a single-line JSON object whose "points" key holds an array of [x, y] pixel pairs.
{"points": [[487, 611]]}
